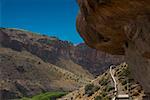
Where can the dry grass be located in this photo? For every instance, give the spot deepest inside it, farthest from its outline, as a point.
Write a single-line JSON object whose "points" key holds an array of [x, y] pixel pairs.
{"points": [[106, 88]]}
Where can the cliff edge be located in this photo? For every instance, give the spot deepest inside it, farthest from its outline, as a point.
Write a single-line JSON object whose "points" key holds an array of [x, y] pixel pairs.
{"points": [[119, 27]]}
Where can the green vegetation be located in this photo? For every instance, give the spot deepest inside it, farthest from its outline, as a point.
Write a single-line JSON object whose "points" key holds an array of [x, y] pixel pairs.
{"points": [[91, 89], [109, 88], [107, 98], [98, 98], [103, 94], [45, 41], [49, 42], [103, 82], [124, 82], [124, 73], [46, 96]]}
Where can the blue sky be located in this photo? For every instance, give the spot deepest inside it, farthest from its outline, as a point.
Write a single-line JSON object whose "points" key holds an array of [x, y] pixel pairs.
{"points": [[51, 17]]}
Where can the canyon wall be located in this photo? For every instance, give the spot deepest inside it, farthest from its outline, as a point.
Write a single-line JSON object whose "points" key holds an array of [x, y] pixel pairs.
{"points": [[119, 27], [55, 51]]}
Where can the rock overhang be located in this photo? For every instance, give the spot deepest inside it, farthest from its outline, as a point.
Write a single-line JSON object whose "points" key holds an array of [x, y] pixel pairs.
{"points": [[103, 23]]}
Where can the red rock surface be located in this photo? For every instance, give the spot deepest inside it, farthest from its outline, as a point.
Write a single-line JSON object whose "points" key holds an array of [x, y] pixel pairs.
{"points": [[119, 27]]}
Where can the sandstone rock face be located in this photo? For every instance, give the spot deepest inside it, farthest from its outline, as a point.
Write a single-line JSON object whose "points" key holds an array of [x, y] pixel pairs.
{"points": [[119, 27]]}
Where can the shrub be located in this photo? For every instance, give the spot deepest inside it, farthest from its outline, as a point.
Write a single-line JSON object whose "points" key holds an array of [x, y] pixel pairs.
{"points": [[104, 94], [135, 93], [103, 82], [126, 87], [88, 90], [109, 88], [91, 89], [131, 80], [98, 98], [45, 41], [125, 72], [124, 82], [49, 42], [107, 98], [96, 88]]}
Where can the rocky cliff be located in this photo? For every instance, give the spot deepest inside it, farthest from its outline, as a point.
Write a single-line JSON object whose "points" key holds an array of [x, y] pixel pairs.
{"points": [[55, 51], [95, 61], [31, 64], [120, 27]]}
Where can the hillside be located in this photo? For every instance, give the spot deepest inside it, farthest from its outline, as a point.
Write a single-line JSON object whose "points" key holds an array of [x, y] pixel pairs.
{"points": [[23, 74], [102, 88], [53, 50], [32, 64]]}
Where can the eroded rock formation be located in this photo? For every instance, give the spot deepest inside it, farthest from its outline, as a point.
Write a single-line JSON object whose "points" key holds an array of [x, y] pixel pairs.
{"points": [[53, 50], [119, 27]]}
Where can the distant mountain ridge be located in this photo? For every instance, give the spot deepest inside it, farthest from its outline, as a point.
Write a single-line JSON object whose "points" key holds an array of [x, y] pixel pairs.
{"points": [[51, 49], [33, 63]]}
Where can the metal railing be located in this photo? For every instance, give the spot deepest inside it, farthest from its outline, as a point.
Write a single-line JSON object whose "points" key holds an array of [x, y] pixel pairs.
{"points": [[116, 95]]}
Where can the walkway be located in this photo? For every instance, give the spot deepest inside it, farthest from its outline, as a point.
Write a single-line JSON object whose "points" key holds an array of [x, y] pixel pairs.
{"points": [[119, 93]]}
